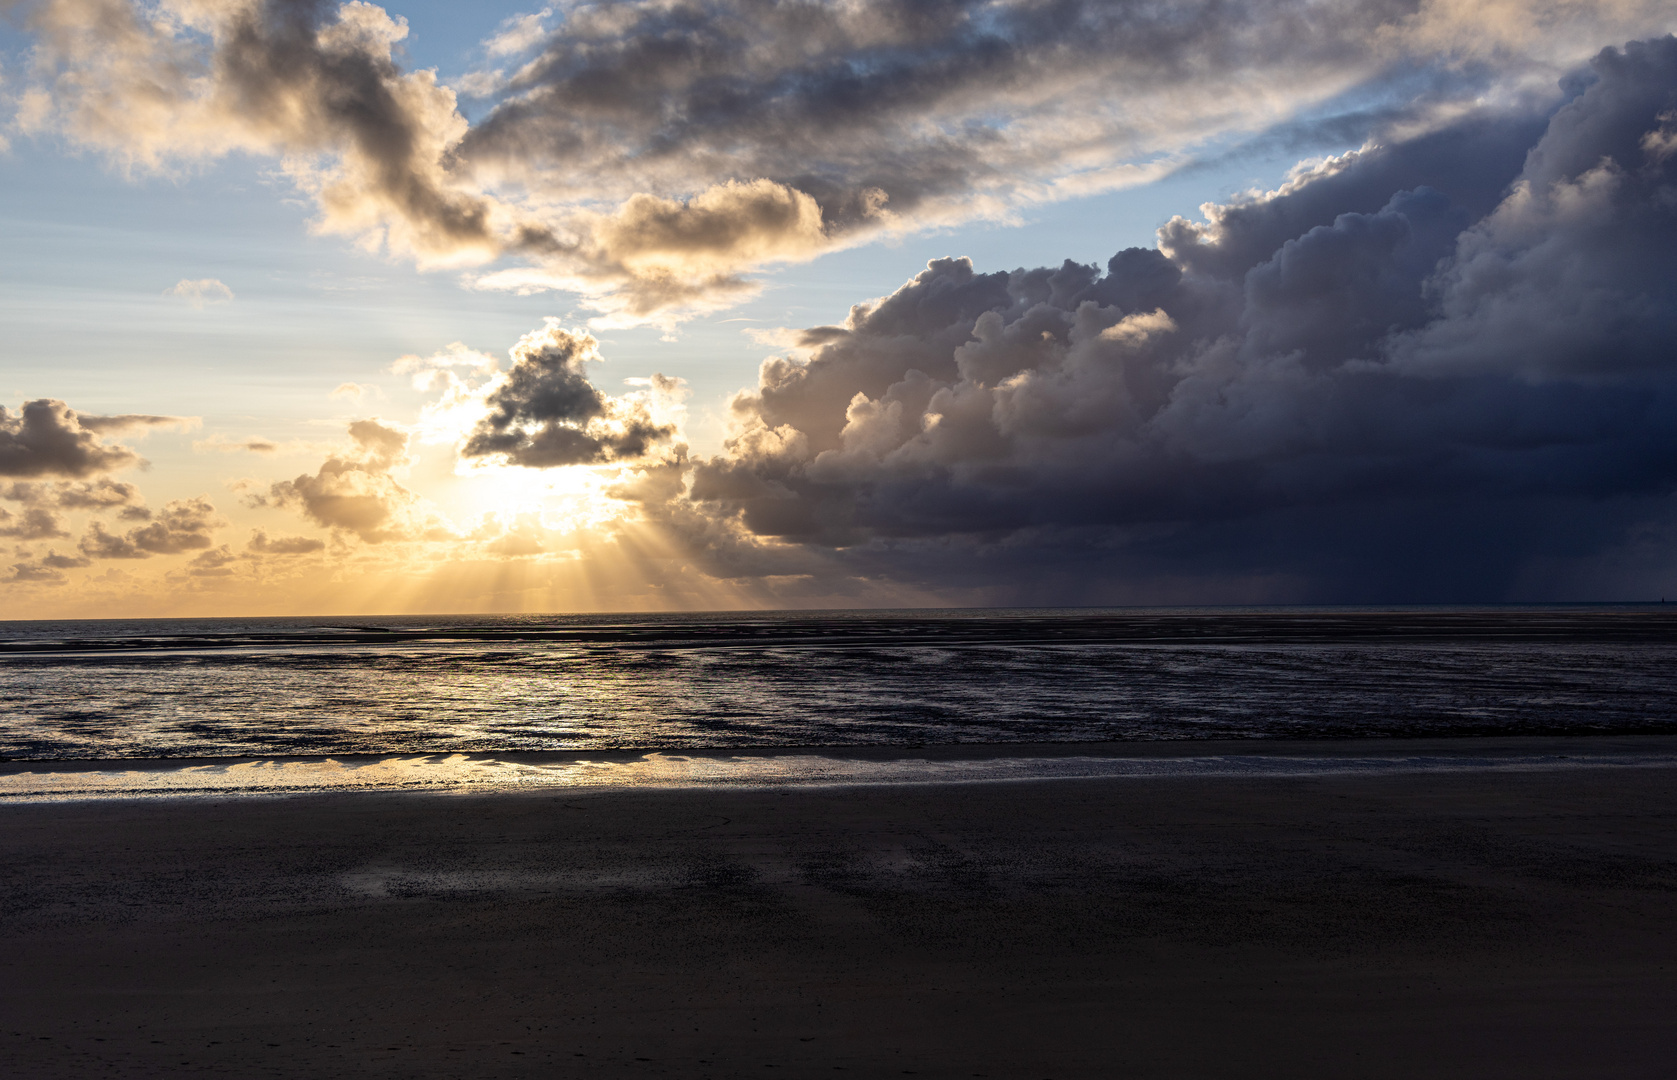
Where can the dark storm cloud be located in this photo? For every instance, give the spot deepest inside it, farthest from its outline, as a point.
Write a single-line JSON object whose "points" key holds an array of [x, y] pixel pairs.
{"points": [[1420, 370], [47, 438], [546, 413]]}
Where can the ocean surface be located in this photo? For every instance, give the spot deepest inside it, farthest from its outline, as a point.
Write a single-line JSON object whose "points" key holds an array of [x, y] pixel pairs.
{"points": [[252, 688]]}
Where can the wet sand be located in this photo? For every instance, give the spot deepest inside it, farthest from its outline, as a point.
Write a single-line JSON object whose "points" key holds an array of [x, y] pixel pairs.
{"points": [[1441, 924]]}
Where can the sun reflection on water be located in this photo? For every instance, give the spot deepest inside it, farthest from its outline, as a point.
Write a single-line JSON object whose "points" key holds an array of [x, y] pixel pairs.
{"points": [[463, 773]]}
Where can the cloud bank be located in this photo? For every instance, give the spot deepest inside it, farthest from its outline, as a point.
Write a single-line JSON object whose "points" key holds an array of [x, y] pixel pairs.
{"points": [[1442, 369], [650, 154]]}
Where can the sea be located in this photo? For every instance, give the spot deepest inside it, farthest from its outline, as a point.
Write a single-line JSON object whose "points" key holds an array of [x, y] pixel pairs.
{"points": [[112, 690]]}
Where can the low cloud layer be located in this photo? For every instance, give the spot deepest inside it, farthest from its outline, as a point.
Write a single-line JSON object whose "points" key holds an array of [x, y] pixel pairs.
{"points": [[649, 155], [1416, 372]]}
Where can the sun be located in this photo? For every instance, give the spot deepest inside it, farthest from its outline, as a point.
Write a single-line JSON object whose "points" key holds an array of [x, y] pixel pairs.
{"points": [[564, 499]]}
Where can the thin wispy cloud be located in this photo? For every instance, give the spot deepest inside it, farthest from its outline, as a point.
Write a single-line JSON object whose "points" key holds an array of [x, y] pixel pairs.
{"points": [[200, 292]]}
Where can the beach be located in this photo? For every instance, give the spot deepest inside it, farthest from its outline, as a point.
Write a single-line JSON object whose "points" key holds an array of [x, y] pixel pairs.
{"points": [[1474, 922]]}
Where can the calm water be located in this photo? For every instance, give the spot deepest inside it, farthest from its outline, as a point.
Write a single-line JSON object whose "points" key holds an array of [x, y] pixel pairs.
{"points": [[191, 688]]}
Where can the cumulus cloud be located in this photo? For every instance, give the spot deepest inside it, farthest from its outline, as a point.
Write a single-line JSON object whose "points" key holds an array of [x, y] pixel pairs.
{"points": [[48, 438], [1411, 371], [39, 517], [217, 562], [649, 155], [200, 292], [28, 573], [101, 494], [33, 523], [544, 412], [354, 492], [182, 525], [47, 570], [316, 86]]}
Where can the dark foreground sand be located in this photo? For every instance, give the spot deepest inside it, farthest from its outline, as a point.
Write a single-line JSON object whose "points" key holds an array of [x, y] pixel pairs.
{"points": [[1507, 924]]}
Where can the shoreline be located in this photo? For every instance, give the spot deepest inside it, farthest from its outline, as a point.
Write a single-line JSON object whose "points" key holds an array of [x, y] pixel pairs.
{"points": [[803, 766]]}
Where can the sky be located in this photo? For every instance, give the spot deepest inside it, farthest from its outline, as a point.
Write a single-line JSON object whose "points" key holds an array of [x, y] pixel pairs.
{"points": [[318, 308]]}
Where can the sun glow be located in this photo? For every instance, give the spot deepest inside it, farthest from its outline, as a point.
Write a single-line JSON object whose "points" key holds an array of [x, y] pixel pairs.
{"points": [[562, 500]]}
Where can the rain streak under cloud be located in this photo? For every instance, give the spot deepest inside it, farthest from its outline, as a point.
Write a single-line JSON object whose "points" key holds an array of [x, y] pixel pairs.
{"points": [[1436, 366]]}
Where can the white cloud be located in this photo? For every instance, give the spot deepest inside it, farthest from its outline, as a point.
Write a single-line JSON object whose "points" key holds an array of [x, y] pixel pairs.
{"points": [[200, 292], [352, 391]]}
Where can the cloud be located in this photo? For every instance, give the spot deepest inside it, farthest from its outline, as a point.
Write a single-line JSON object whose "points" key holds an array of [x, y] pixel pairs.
{"points": [[887, 115], [218, 562], [27, 573], [354, 492], [544, 412], [651, 155], [653, 255], [101, 494], [522, 540], [263, 544], [182, 525], [426, 371], [48, 438], [351, 391], [200, 292], [131, 421], [156, 85], [41, 501], [34, 523], [518, 34], [220, 444], [1414, 372]]}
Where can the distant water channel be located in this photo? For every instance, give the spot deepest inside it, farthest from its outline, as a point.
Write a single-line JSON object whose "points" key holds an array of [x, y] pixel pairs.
{"points": [[474, 684]]}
